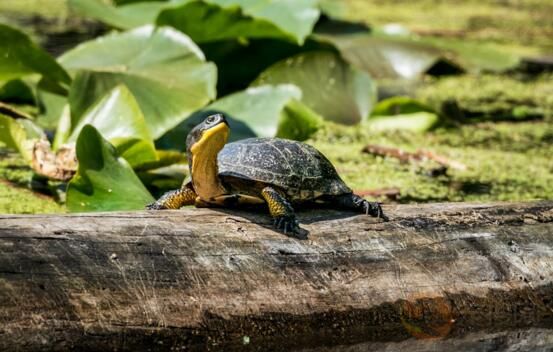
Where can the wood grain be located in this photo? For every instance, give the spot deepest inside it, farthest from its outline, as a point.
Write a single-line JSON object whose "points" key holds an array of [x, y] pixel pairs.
{"points": [[196, 279]]}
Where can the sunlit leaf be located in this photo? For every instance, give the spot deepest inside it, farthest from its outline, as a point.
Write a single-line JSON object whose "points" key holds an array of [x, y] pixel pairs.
{"points": [[118, 118], [400, 105], [330, 86], [104, 180], [265, 111], [416, 122], [164, 70]]}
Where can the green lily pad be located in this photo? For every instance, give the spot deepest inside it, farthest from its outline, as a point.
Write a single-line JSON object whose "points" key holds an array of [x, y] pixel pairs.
{"points": [[264, 111], [399, 106], [19, 57], [330, 86], [416, 122], [104, 180], [391, 57], [118, 118], [164, 70], [214, 20]]}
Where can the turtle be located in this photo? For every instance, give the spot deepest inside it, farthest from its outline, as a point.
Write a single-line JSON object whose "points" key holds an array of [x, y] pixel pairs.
{"points": [[278, 172]]}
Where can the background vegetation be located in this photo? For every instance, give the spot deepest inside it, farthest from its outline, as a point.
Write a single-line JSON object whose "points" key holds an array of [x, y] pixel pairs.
{"points": [[479, 72]]}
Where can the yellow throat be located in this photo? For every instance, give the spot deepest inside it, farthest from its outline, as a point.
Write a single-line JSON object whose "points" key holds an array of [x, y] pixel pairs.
{"points": [[204, 162]]}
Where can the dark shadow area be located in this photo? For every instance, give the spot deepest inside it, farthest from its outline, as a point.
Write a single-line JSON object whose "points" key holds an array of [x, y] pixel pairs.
{"points": [[329, 25], [471, 187], [454, 322], [444, 67]]}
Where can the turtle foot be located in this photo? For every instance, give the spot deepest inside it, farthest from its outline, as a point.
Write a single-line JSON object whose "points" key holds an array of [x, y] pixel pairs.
{"points": [[155, 206], [374, 209], [290, 226]]}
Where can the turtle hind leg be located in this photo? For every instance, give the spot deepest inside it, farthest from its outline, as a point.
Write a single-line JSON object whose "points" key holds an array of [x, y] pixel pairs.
{"points": [[175, 199], [354, 202], [282, 212]]}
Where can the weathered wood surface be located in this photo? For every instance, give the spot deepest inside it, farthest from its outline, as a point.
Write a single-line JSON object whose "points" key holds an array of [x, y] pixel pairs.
{"points": [[200, 278]]}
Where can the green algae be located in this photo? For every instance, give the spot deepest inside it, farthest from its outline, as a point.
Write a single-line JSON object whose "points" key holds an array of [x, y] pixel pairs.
{"points": [[15, 195], [492, 97], [505, 161], [523, 26]]}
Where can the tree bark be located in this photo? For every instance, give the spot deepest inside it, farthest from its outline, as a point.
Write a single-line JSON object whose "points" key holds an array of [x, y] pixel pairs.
{"points": [[196, 279]]}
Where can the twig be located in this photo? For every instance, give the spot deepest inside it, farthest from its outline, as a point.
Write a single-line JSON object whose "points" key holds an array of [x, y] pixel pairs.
{"points": [[418, 156], [60, 166]]}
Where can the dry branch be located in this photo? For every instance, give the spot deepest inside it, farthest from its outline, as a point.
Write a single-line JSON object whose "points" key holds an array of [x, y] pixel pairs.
{"points": [[60, 165], [418, 156]]}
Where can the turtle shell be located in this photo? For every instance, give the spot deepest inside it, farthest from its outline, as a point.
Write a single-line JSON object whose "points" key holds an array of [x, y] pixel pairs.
{"points": [[295, 167]]}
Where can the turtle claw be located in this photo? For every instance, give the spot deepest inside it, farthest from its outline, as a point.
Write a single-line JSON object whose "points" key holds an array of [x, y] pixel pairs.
{"points": [[374, 209], [290, 226]]}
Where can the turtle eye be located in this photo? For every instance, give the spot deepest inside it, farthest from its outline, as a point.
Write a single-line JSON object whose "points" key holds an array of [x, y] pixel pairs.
{"points": [[210, 120]]}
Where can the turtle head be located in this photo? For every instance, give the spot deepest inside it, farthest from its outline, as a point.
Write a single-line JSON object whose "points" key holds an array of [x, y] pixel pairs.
{"points": [[202, 145], [208, 137]]}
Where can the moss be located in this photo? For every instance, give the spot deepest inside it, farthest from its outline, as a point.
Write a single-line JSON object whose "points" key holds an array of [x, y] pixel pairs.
{"points": [[527, 23], [492, 96], [500, 157], [15, 197]]}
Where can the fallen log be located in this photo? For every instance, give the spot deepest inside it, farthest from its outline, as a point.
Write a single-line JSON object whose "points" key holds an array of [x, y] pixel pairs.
{"points": [[197, 279]]}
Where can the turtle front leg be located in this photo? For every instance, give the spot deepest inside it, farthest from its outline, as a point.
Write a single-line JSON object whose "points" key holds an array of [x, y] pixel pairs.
{"points": [[282, 212], [354, 202], [175, 199]]}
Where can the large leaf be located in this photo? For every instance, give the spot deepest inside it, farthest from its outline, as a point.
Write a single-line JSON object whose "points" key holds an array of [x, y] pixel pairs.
{"points": [[265, 111], [330, 86], [214, 20], [118, 118], [164, 70], [104, 181], [19, 57], [391, 57]]}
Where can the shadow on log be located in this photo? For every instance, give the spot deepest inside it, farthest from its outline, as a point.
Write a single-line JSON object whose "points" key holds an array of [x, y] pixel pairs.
{"points": [[198, 279]]}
